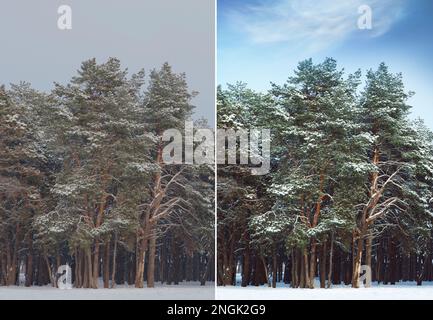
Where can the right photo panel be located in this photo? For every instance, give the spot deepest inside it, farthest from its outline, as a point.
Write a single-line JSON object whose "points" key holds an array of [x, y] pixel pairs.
{"points": [[324, 149]]}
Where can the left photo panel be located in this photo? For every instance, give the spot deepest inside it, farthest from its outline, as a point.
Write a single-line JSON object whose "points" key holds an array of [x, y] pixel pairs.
{"points": [[107, 176]]}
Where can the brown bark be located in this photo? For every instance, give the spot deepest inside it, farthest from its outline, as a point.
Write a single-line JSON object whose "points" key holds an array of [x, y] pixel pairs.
{"points": [[313, 249], [88, 269], [140, 262], [368, 248], [106, 265], [113, 268], [246, 267], [29, 264], [274, 269], [293, 269], [313, 263], [323, 265], [78, 268], [331, 255], [305, 283], [141, 249], [263, 260], [207, 272], [151, 262], [95, 265], [364, 224], [357, 259], [50, 272]]}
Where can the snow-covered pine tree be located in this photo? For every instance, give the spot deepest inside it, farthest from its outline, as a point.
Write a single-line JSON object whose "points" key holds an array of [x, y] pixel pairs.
{"points": [[79, 172], [318, 142], [384, 114], [350, 183], [167, 105], [240, 195], [101, 140], [23, 178]]}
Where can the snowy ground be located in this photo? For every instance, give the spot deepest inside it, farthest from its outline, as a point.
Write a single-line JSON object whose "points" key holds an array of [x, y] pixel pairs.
{"points": [[193, 291], [401, 291], [183, 291]]}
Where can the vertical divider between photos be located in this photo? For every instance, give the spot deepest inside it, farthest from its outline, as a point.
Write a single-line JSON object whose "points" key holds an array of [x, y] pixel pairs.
{"points": [[215, 146]]}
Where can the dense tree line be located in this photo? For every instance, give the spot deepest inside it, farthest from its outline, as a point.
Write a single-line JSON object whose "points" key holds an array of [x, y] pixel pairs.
{"points": [[350, 183], [83, 183]]}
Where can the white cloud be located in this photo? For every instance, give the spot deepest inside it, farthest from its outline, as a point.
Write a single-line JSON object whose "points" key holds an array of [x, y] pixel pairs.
{"points": [[312, 24]]}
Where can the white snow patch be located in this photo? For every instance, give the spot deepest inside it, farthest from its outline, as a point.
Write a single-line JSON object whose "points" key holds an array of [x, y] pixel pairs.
{"points": [[183, 291], [400, 291]]}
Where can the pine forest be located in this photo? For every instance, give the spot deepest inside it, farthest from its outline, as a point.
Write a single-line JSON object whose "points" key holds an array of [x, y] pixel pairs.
{"points": [[350, 187], [83, 184]]}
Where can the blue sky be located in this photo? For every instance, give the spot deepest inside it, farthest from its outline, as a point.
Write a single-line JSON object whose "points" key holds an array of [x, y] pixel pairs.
{"points": [[261, 41]]}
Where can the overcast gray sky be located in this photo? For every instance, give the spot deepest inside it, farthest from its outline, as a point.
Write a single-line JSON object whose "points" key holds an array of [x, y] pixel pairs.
{"points": [[142, 34]]}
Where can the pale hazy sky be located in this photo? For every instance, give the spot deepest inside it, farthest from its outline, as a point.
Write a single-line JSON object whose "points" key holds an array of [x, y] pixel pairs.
{"points": [[142, 34]]}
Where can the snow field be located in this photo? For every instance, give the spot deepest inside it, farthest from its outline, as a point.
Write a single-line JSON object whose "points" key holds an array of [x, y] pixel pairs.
{"points": [[183, 291]]}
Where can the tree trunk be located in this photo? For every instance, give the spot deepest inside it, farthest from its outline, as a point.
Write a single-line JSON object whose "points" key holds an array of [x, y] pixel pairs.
{"points": [[368, 248], [50, 272], [323, 265], [331, 253], [151, 262], [206, 274], [106, 265], [294, 270], [306, 278], [113, 268], [78, 268], [89, 269], [140, 262], [274, 270], [246, 266], [95, 271], [313, 263], [29, 264], [357, 261], [265, 269]]}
